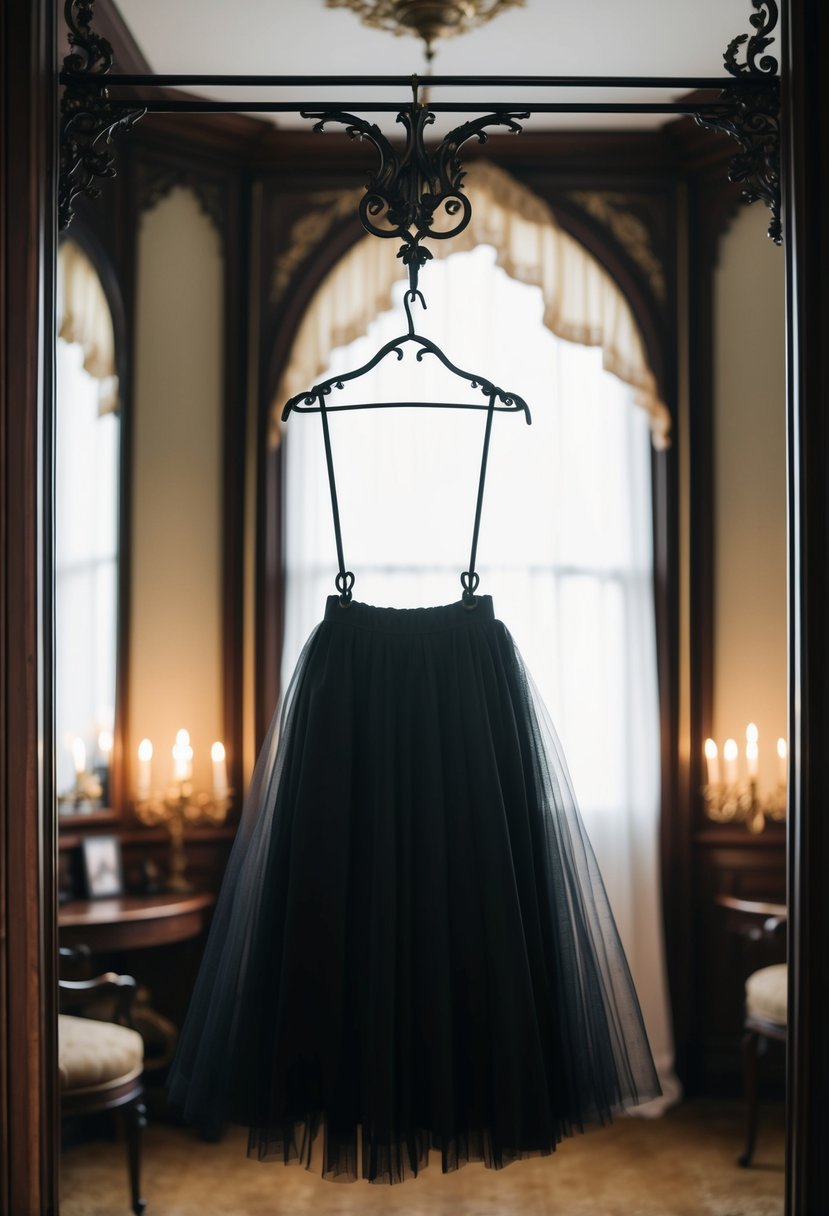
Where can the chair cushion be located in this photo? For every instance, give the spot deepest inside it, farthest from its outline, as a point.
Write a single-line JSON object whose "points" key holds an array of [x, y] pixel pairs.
{"points": [[92, 1053], [766, 994]]}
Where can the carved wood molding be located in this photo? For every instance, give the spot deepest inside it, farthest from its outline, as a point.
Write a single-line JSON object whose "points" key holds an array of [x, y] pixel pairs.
{"points": [[326, 208], [616, 212], [155, 180]]}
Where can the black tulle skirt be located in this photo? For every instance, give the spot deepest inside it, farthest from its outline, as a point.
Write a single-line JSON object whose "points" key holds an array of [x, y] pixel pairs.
{"points": [[413, 949]]}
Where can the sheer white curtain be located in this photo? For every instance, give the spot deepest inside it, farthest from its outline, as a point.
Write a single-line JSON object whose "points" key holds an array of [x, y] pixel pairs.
{"points": [[565, 548]]}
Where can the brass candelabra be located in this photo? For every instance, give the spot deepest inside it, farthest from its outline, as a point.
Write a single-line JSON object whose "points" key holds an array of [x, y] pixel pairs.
{"points": [[179, 807], [741, 802]]}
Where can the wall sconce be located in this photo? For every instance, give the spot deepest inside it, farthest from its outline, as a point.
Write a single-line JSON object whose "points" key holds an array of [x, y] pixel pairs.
{"points": [[180, 805], [732, 798]]}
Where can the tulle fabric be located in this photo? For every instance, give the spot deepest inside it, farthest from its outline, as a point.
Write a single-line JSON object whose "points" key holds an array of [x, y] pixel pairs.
{"points": [[413, 950]]}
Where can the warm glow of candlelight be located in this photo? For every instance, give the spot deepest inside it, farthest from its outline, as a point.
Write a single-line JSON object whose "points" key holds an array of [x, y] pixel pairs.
{"points": [[145, 758], [713, 759], [730, 752], [782, 761], [182, 756], [752, 750], [79, 756], [218, 756], [105, 743]]}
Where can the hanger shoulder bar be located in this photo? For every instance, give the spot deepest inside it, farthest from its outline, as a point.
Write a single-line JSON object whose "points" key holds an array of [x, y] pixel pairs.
{"points": [[516, 406], [309, 402]]}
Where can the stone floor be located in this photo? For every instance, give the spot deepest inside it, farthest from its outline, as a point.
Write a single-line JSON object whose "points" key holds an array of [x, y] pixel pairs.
{"points": [[682, 1165]]}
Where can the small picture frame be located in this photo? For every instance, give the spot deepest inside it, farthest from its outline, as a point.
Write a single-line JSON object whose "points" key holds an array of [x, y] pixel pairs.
{"points": [[102, 866]]}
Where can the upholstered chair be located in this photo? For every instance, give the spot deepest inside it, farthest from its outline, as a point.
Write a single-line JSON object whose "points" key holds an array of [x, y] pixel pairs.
{"points": [[101, 1062]]}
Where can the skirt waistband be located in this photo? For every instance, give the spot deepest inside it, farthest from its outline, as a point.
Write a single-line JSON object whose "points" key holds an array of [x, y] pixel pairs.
{"points": [[409, 620]]}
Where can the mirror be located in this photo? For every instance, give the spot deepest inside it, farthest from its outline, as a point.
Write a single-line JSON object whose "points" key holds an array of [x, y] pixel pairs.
{"points": [[203, 260]]}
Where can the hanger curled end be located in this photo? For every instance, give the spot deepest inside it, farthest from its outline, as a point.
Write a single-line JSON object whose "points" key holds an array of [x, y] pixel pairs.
{"points": [[410, 297]]}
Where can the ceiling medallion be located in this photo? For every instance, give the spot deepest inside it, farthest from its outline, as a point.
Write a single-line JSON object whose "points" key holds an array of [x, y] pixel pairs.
{"points": [[426, 19]]}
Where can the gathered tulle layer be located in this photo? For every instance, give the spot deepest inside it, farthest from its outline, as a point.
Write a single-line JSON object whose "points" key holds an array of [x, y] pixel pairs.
{"points": [[413, 949]]}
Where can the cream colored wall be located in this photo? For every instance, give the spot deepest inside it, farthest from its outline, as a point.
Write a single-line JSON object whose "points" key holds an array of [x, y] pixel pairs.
{"points": [[750, 488], [175, 617]]}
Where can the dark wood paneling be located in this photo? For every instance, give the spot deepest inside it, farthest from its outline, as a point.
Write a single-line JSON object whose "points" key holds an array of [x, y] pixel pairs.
{"points": [[806, 174], [28, 972]]}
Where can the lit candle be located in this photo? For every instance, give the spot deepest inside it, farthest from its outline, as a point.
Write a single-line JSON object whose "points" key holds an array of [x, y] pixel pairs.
{"points": [[182, 757], [145, 760], [782, 762], [79, 756], [752, 750], [730, 753], [217, 755], [713, 758], [105, 746]]}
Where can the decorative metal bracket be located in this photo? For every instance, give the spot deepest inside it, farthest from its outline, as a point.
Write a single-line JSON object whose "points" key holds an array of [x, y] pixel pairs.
{"points": [[754, 121], [88, 122], [416, 194]]}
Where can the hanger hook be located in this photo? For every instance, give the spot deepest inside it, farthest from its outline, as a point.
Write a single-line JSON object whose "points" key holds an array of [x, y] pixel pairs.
{"points": [[409, 298]]}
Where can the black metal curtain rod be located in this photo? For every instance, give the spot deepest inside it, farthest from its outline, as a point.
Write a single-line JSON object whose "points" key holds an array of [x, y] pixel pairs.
{"points": [[172, 80], [174, 106]]}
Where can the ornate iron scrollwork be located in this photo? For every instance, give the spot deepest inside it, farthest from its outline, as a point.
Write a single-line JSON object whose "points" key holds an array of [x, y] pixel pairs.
{"points": [[88, 122], [417, 193], [754, 121]]}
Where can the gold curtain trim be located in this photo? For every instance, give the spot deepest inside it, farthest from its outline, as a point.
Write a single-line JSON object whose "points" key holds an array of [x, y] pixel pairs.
{"points": [[84, 317]]}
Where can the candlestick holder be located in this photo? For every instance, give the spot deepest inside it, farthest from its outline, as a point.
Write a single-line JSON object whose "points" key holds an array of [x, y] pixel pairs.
{"points": [[741, 802], [176, 809], [85, 796]]}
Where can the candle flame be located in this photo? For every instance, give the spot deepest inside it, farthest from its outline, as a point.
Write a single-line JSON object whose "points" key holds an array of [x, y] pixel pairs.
{"points": [[217, 751], [145, 750], [183, 738], [782, 749], [752, 734], [105, 740], [79, 755], [730, 751], [710, 749]]}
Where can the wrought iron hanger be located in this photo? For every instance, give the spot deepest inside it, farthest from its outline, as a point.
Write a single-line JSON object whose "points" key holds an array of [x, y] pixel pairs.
{"points": [[315, 402]]}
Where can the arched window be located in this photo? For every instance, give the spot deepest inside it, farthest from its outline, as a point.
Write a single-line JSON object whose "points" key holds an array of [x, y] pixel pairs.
{"points": [[565, 547], [86, 535]]}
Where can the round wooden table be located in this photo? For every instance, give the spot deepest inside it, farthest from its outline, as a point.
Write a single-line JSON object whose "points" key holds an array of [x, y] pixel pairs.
{"points": [[132, 922]]}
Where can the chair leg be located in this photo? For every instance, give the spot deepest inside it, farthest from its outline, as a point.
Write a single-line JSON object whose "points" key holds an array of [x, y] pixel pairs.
{"points": [[135, 1120], [750, 1043]]}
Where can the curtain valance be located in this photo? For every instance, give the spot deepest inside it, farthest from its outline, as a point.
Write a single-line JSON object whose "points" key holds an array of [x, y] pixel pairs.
{"points": [[84, 317], [582, 302]]}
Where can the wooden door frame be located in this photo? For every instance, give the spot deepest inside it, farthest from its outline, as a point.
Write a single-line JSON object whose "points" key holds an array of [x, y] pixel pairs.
{"points": [[805, 170], [29, 1133], [29, 1106]]}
